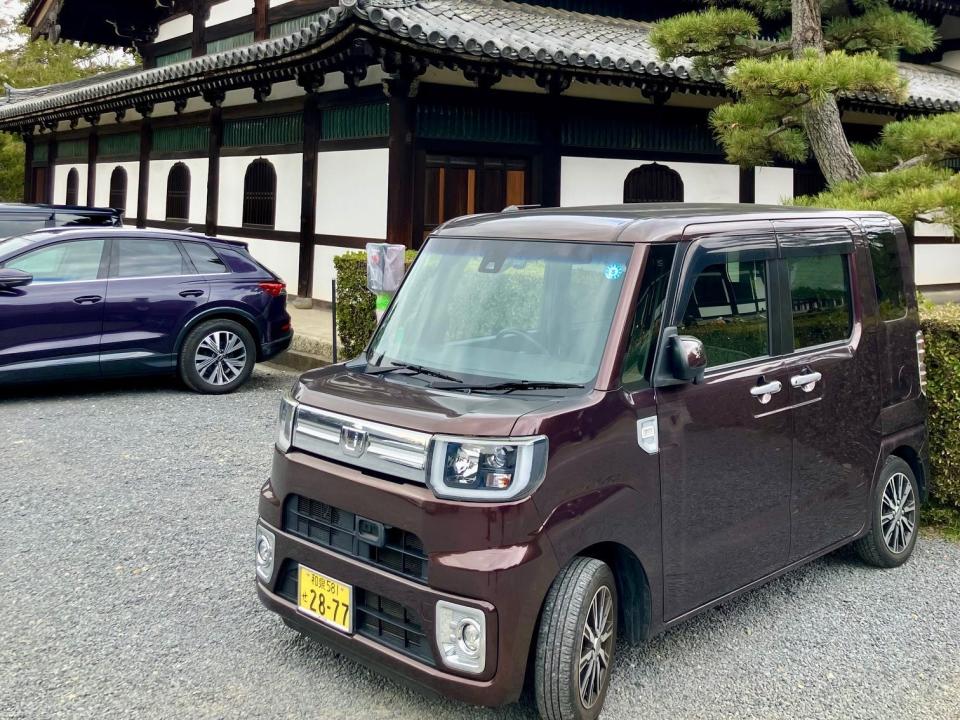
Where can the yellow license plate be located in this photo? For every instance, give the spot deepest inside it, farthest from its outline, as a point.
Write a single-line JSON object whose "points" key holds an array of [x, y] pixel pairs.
{"points": [[325, 599]]}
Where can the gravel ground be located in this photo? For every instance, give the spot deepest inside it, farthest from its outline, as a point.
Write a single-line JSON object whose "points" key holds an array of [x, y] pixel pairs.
{"points": [[126, 589]]}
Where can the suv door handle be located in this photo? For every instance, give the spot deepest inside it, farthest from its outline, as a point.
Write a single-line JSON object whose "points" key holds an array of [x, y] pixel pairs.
{"points": [[88, 299], [191, 293], [807, 382], [764, 393]]}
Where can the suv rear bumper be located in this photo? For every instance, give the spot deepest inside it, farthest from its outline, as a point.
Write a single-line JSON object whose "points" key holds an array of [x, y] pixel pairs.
{"points": [[274, 348]]}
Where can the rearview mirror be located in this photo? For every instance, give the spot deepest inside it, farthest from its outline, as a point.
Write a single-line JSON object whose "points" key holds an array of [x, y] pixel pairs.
{"points": [[10, 278], [688, 358]]}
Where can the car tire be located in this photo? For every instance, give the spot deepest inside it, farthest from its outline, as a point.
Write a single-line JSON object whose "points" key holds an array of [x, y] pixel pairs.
{"points": [[894, 517], [562, 691], [217, 357]]}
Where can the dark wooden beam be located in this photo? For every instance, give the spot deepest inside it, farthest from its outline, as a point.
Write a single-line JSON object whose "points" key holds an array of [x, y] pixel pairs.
{"points": [[308, 204], [200, 11], [143, 188], [92, 145], [28, 167], [550, 138], [213, 162], [400, 190], [261, 25], [51, 169]]}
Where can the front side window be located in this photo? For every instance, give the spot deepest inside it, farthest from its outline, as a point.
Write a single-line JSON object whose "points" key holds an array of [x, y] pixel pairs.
{"points": [[727, 311], [820, 293], [638, 363], [73, 261], [149, 258], [503, 310]]}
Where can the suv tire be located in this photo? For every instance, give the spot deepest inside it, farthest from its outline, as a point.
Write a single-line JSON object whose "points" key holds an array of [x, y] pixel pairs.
{"points": [[894, 517], [217, 357], [567, 624]]}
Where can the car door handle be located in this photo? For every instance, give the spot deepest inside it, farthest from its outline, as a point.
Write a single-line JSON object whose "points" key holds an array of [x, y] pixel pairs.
{"points": [[88, 299], [191, 293], [765, 392], [806, 382]]}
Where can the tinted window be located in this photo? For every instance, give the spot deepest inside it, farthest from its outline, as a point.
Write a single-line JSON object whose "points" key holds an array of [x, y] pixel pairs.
{"points": [[887, 274], [149, 258], [205, 260], [88, 220], [820, 291], [649, 313], [238, 261], [11, 227], [65, 262], [727, 311]]}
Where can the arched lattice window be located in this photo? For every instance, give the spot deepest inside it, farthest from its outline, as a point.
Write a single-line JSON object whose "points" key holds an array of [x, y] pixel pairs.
{"points": [[653, 183], [73, 187], [178, 193], [118, 189], [260, 194]]}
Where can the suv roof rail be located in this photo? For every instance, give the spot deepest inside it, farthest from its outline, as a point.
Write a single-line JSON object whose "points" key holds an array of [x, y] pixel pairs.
{"points": [[518, 208]]}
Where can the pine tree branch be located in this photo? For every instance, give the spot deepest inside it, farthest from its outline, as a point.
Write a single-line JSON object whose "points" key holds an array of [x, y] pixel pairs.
{"points": [[913, 162]]}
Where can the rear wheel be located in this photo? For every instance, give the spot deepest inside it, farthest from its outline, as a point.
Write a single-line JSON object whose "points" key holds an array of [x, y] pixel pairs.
{"points": [[217, 357], [893, 517], [576, 642]]}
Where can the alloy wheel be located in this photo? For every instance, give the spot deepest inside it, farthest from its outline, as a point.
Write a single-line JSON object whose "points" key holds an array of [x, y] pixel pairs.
{"points": [[898, 513], [596, 647], [221, 357]]}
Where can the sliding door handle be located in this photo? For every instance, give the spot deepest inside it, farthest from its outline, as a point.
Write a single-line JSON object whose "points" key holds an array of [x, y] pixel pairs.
{"points": [[765, 392], [806, 382]]}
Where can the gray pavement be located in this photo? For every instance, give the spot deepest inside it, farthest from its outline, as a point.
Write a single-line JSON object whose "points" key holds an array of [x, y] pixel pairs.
{"points": [[126, 591]]}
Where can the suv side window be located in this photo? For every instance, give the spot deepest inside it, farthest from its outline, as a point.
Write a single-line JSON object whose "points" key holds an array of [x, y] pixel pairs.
{"points": [[205, 260], [887, 274], [13, 226], [821, 299], [727, 310], [637, 365], [149, 258], [73, 261]]}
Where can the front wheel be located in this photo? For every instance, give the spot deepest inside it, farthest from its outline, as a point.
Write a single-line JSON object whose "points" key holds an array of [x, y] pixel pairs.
{"points": [[893, 517], [217, 357], [576, 642]]}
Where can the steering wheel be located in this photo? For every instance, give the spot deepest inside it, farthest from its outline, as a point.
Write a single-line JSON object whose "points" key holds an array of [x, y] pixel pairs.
{"points": [[507, 332]]}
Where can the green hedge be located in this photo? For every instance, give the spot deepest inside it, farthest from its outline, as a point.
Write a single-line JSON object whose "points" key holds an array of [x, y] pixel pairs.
{"points": [[941, 328], [356, 316]]}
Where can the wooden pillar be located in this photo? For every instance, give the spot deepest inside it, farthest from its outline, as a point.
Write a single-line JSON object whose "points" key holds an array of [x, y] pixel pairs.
{"points": [[28, 166], [550, 142], [402, 166], [308, 204], [146, 145], [213, 162], [92, 144], [51, 168], [200, 11], [261, 24]]}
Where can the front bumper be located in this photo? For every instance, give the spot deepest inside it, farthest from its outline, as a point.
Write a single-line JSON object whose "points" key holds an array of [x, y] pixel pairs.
{"points": [[506, 582]]}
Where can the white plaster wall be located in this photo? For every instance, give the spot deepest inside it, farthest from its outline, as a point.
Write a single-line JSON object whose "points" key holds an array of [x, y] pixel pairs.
{"points": [[937, 264], [157, 199], [274, 3], [104, 171], [352, 193], [773, 185], [289, 168], [283, 258], [176, 27], [60, 173], [599, 181], [229, 10], [323, 270]]}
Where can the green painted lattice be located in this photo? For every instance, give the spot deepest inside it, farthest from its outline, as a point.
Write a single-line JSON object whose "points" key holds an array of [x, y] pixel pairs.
{"points": [[195, 138], [173, 58], [118, 145], [355, 121], [72, 149], [230, 43], [289, 27], [41, 152], [640, 134], [274, 130], [479, 124]]}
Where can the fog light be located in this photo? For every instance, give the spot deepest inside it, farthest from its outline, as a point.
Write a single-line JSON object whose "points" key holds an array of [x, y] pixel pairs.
{"points": [[266, 542], [461, 637]]}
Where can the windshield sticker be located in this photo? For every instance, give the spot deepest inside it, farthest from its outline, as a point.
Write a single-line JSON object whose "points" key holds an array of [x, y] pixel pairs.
{"points": [[615, 271]]}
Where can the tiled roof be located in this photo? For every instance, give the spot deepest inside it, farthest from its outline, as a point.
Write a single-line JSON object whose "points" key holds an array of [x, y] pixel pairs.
{"points": [[515, 33]]}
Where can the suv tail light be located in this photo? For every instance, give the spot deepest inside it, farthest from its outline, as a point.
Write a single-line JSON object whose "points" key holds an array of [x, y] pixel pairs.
{"points": [[921, 361], [274, 289]]}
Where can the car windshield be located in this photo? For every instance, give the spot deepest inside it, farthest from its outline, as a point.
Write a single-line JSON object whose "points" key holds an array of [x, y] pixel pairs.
{"points": [[505, 310]]}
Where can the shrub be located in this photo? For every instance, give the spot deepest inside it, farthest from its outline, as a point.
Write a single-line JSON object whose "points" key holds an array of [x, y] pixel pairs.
{"points": [[941, 328], [356, 318]]}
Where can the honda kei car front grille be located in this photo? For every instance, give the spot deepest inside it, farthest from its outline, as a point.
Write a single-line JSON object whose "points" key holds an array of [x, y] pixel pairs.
{"points": [[372, 542], [378, 618]]}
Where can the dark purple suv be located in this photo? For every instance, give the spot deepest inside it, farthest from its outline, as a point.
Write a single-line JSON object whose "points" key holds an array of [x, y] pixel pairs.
{"points": [[101, 302]]}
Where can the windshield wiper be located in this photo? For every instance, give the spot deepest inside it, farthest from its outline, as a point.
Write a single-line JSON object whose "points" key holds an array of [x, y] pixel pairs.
{"points": [[514, 386], [415, 369]]}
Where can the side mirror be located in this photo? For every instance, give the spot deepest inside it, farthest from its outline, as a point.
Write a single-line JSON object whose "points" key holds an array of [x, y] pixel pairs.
{"points": [[10, 278], [688, 358]]}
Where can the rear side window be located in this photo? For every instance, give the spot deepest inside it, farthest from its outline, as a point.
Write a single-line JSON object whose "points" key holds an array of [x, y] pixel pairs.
{"points": [[149, 258], [205, 260], [11, 227], [238, 262], [888, 275], [649, 314], [72, 261], [820, 293], [727, 311], [82, 220]]}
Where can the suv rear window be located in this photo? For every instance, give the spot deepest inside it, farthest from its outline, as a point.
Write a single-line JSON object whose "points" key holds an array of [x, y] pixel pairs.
{"points": [[238, 261], [820, 292]]}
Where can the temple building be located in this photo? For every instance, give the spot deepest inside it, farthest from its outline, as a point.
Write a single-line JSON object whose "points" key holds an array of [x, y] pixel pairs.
{"points": [[311, 127]]}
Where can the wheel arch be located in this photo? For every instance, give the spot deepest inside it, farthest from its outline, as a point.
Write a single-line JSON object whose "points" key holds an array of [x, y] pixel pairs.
{"points": [[912, 458], [220, 313], [635, 607]]}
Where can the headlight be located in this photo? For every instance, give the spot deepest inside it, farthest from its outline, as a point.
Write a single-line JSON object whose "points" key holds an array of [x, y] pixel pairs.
{"points": [[286, 421], [487, 470]]}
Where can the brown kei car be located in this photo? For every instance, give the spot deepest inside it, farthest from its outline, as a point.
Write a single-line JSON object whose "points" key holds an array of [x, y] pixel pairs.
{"points": [[579, 426]]}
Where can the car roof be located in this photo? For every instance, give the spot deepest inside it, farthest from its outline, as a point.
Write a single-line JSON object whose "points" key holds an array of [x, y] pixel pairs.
{"points": [[643, 222], [66, 232]]}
